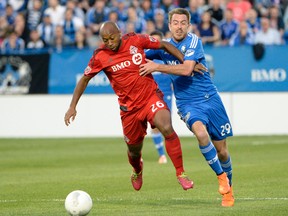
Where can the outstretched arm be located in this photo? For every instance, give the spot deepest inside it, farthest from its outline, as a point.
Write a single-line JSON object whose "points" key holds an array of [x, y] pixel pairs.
{"points": [[186, 69], [80, 88], [168, 47]]}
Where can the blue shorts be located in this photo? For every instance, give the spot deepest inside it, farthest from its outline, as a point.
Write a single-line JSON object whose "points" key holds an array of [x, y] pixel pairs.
{"points": [[211, 113]]}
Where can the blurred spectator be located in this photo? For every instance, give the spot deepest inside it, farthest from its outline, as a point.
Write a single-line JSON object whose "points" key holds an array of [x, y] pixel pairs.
{"points": [[35, 42], [216, 10], [253, 21], [122, 10], [136, 4], [12, 42], [96, 15], [285, 19], [207, 30], [130, 27], [113, 17], [84, 6], [56, 12], [18, 5], [195, 13], [34, 15], [147, 10], [3, 28], [77, 12], [262, 6], [59, 40], [3, 5], [267, 35], [161, 23], [228, 27], [244, 35], [71, 24], [150, 27], [202, 6], [139, 22], [10, 14], [46, 29], [239, 8], [21, 28], [80, 41], [276, 19], [167, 5]]}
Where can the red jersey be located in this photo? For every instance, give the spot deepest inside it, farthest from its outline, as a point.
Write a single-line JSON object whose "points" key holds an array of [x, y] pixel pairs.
{"points": [[122, 69]]}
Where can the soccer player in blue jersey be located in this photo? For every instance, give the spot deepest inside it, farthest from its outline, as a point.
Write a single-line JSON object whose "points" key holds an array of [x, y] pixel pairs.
{"points": [[197, 99], [165, 85]]}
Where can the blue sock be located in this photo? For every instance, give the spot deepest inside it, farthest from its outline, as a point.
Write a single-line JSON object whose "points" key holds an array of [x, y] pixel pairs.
{"points": [[210, 154], [158, 142], [227, 167]]}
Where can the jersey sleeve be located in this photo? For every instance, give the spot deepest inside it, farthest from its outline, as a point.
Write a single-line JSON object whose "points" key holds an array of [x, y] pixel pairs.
{"points": [[94, 66], [194, 50], [153, 54], [148, 42]]}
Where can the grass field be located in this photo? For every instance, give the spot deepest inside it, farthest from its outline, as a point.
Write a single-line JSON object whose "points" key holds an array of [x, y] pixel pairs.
{"points": [[37, 174]]}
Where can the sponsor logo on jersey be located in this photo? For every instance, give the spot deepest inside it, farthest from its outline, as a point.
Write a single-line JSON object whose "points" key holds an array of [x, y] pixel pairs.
{"points": [[133, 50], [183, 49], [87, 70], [190, 52], [120, 66], [137, 59]]}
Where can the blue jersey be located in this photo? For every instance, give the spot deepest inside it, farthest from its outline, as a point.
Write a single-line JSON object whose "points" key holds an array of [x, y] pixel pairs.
{"points": [[198, 87], [165, 85], [197, 97]]}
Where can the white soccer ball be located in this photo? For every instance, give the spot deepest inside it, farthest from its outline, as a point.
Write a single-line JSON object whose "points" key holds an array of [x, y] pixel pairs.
{"points": [[78, 203]]}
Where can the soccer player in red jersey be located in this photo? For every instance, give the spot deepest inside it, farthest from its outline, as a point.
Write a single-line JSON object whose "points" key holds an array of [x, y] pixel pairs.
{"points": [[139, 98]]}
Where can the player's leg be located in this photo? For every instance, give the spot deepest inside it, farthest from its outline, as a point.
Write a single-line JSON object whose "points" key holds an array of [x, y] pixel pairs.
{"points": [[162, 120], [226, 163], [209, 152], [135, 159], [159, 145], [224, 157], [134, 132]]}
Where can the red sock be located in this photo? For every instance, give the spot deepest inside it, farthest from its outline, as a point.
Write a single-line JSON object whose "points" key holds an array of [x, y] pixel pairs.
{"points": [[173, 148], [135, 163]]}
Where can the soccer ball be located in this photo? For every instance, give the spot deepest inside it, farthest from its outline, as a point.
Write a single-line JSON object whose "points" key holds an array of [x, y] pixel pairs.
{"points": [[78, 203]]}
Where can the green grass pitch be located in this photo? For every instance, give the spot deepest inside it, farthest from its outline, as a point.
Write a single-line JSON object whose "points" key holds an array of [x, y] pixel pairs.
{"points": [[37, 174]]}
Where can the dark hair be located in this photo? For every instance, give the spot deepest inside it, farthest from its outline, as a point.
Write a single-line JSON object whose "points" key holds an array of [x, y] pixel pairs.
{"points": [[157, 32]]}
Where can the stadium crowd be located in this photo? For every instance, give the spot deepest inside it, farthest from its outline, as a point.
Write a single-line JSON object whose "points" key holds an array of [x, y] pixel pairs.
{"points": [[57, 24]]}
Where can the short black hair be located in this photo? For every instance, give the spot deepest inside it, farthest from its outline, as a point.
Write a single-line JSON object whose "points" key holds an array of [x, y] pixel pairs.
{"points": [[157, 32]]}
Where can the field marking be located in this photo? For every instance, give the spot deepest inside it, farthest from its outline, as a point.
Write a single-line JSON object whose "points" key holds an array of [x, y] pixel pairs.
{"points": [[276, 141], [99, 200]]}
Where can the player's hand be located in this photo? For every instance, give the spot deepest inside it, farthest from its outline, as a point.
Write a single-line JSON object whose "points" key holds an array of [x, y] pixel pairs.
{"points": [[70, 115], [147, 68], [200, 68]]}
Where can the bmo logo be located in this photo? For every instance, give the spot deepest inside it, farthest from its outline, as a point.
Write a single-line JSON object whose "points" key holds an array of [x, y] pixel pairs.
{"points": [[272, 75], [120, 66]]}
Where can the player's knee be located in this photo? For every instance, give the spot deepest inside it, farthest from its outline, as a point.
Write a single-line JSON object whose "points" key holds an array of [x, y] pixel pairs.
{"points": [[222, 153], [166, 129]]}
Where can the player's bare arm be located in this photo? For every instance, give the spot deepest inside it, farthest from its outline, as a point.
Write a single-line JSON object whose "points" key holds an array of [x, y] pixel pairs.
{"points": [[80, 88], [186, 69], [168, 47]]}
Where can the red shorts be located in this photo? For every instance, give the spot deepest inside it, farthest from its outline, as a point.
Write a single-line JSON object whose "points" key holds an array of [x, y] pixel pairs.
{"points": [[134, 122]]}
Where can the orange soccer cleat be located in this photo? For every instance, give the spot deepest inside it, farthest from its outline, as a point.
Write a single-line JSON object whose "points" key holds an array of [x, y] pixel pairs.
{"points": [[228, 199], [224, 186]]}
